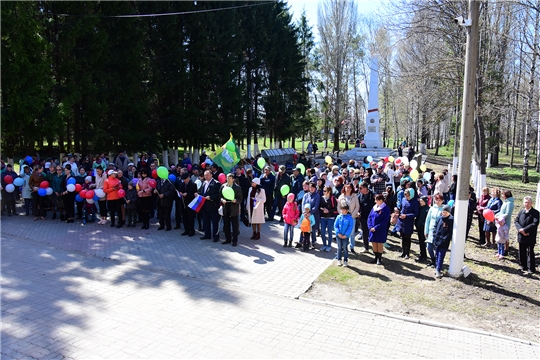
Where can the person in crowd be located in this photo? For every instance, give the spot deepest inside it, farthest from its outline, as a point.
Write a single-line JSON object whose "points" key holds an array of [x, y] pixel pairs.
{"points": [[447, 183], [507, 208], [409, 210], [502, 235], [366, 198], [339, 182], [420, 223], [99, 161], [244, 184], [121, 161], [314, 200], [343, 227], [99, 182], [56, 179], [257, 199], [26, 190], [187, 190], [494, 204], [377, 223], [379, 180], [268, 181], [480, 207], [131, 204], [328, 211], [349, 198], [410, 153], [74, 167], [429, 228], [68, 196], [38, 205], [453, 188], [231, 210], [210, 190], [442, 236], [421, 188], [165, 192], [8, 198], [440, 185], [144, 193], [282, 179], [291, 214], [306, 224], [111, 187], [186, 160], [526, 223]]}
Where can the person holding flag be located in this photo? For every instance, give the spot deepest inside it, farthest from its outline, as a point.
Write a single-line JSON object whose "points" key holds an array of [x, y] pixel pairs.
{"points": [[187, 190], [211, 194], [231, 198]]}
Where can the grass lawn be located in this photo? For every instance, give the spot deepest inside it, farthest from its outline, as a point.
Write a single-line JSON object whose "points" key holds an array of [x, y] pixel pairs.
{"points": [[496, 297]]}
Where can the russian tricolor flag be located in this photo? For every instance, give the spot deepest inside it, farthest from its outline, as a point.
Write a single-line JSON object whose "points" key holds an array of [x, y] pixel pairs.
{"points": [[197, 203]]}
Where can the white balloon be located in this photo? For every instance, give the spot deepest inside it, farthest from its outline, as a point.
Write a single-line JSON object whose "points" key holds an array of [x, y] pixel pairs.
{"points": [[100, 193], [405, 160], [49, 191], [369, 158], [10, 188], [413, 164], [427, 176], [70, 188], [90, 201], [380, 164], [198, 183]]}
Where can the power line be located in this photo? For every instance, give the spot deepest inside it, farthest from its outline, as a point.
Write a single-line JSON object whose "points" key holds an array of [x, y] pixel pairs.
{"points": [[161, 14]]}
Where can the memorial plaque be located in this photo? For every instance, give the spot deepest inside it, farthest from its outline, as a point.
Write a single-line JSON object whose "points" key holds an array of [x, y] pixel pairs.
{"points": [[372, 129]]}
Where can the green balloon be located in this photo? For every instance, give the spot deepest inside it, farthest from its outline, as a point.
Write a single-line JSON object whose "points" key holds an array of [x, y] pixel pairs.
{"points": [[230, 146], [285, 190], [228, 193], [261, 163], [302, 168], [162, 172]]}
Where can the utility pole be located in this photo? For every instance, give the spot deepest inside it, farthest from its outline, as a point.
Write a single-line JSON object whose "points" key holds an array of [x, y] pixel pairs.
{"points": [[466, 139]]}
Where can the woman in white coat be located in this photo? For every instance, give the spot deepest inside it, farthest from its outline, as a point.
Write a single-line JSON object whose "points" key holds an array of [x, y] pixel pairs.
{"points": [[255, 207]]}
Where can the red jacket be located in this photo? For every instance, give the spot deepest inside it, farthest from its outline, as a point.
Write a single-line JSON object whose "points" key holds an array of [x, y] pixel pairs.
{"points": [[291, 213], [110, 190]]}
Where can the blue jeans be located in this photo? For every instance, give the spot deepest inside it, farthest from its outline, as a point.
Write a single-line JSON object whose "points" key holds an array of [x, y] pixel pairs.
{"points": [[500, 249], [431, 251], [352, 239], [342, 248], [327, 224], [441, 252], [288, 232]]}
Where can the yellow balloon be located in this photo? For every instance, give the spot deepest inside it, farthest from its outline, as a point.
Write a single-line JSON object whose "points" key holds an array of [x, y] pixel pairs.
{"points": [[414, 174], [423, 167], [328, 159], [391, 159]]}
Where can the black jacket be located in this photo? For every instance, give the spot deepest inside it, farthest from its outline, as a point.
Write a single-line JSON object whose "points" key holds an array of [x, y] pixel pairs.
{"points": [[189, 189], [215, 195], [167, 190], [442, 235], [280, 181], [528, 221], [244, 184], [230, 208], [131, 195]]}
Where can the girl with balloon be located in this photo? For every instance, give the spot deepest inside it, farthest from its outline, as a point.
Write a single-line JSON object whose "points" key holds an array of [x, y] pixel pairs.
{"points": [[38, 208], [493, 207]]}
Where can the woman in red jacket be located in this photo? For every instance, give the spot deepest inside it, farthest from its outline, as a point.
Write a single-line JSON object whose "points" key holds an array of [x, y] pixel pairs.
{"points": [[111, 187]]}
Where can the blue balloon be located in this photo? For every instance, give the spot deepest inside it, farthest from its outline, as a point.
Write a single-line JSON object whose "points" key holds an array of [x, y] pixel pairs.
{"points": [[18, 181], [208, 161], [451, 203], [42, 192], [172, 178], [29, 159], [71, 180], [95, 198], [78, 198]]}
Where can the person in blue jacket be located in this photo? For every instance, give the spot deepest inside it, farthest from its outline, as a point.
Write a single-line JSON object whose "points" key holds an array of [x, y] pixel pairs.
{"points": [[405, 224], [343, 227], [377, 222]]}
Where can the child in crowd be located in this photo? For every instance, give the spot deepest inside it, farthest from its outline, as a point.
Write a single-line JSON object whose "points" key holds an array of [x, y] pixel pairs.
{"points": [[442, 237], [131, 201], [89, 208], [502, 236], [343, 227], [290, 217], [306, 222], [393, 221]]}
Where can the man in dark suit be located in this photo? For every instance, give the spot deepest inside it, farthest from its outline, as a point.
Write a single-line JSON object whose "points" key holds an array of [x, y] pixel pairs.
{"points": [[244, 184], [166, 192], [231, 210], [527, 227], [210, 190], [187, 189]]}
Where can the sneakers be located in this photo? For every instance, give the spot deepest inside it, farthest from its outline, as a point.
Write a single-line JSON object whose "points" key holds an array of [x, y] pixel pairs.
{"points": [[364, 251], [352, 251], [340, 263], [328, 248], [438, 274], [345, 264]]}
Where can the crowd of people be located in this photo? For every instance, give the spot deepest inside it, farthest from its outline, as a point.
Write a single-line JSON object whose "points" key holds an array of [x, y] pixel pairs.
{"points": [[346, 203]]}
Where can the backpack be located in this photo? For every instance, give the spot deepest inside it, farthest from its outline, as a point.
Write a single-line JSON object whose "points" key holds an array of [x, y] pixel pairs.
{"points": [[305, 226]]}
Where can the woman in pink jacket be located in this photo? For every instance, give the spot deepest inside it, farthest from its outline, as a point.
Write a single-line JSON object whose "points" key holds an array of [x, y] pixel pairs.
{"points": [[290, 217]]}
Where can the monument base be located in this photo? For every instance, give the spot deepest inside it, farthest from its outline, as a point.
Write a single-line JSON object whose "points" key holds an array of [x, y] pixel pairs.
{"points": [[373, 141]]}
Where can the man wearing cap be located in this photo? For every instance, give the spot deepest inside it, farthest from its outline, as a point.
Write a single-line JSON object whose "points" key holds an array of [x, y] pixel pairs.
{"points": [[282, 179], [165, 192], [210, 190], [268, 182], [231, 210], [187, 190]]}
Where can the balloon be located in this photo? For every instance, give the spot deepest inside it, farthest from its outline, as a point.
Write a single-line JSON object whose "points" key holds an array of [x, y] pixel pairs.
{"points": [[89, 194], [135, 181], [222, 178], [154, 174], [302, 168], [285, 189], [95, 198], [152, 183], [172, 178], [488, 215], [230, 146], [83, 194], [405, 160], [78, 198], [228, 193], [423, 167], [70, 188], [100, 193], [10, 188], [162, 172], [203, 165], [18, 181], [42, 192], [414, 174], [9, 179], [29, 159], [261, 163], [49, 191], [386, 159], [189, 167], [380, 164], [391, 159], [414, 164], [121, 193], [198, 183], [328, 159], [427, 176], [208, 161], [451, 203], [43, 184], [90, 201], [72, 181], [78, 187], [369, 158], [398, 161]]}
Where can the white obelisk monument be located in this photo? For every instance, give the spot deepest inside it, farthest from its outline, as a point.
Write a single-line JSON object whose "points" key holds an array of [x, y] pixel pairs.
{"points": [[372, 138]]}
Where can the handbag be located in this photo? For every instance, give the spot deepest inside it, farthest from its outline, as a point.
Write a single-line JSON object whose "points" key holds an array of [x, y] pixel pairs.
{"points": [[220, 210], [60, 203], [246, 221]]}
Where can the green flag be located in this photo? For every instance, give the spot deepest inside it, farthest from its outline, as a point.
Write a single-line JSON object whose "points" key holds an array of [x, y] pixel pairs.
{"points": [[228, 156]]}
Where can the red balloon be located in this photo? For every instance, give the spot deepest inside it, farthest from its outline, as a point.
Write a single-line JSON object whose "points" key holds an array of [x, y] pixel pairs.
{"points": [[9, 179], [89, 194], [386, 159], [83, 194], [488, 215], [78, 187], [222, 178], [43, 185], [154, 174], [121, 193], [152, 183], [397, 161], [203, 165]]}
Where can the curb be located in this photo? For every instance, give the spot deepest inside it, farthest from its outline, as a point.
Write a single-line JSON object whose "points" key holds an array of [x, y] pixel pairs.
{"points": [[421, 321]]}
